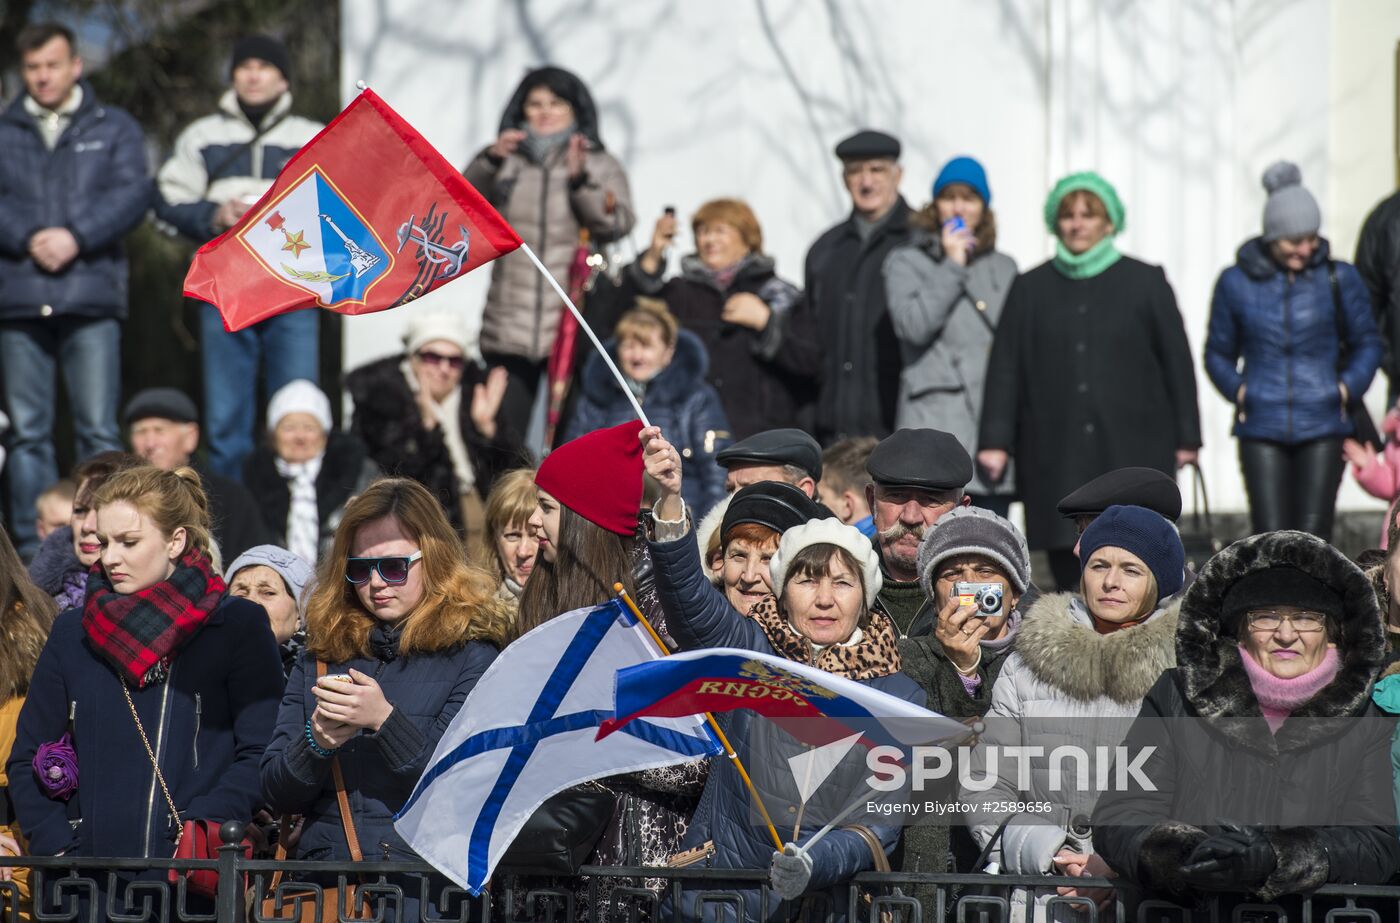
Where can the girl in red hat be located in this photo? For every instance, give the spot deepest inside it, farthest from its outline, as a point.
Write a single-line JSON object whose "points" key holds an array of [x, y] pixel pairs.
{"points": [[590, 498]]}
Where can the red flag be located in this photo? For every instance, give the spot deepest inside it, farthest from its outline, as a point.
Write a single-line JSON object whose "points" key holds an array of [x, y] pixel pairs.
{"points": [[367, 216]]}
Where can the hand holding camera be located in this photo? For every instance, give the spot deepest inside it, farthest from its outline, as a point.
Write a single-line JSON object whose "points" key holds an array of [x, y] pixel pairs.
{"points": [[962, 624]]}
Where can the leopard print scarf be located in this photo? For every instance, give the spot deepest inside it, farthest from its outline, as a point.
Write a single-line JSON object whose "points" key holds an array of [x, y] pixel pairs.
{"points": [[875, 654]]}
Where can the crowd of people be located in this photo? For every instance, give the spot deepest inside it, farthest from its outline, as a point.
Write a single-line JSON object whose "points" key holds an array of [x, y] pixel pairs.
{"points": [[283, 624]]}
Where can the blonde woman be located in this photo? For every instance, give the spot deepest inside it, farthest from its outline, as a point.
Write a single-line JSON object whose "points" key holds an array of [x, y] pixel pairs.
{"points": [[157, 653]]}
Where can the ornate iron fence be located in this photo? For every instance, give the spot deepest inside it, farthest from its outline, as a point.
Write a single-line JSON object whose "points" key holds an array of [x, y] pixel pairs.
{"points": [[78, 890]]}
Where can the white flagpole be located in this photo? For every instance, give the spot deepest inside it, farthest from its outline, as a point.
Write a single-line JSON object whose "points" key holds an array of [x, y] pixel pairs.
{"points": [[621, 382]]}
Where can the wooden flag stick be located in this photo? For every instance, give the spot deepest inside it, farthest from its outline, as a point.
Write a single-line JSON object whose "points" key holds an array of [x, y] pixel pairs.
{"points": [[597, 344], [714, 725]]}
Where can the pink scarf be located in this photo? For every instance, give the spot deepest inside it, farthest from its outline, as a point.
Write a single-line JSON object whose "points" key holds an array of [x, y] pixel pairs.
{"points": [[1279, 697]]}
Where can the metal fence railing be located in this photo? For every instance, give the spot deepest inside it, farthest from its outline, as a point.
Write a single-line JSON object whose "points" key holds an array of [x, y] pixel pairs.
{"points": [[79, 890]]}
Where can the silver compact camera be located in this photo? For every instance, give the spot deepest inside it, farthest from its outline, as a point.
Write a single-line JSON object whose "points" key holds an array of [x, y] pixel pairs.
{"points": [[984, 597]]}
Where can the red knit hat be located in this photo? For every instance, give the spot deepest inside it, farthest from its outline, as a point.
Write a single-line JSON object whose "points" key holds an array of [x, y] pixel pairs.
{"points": [[598, 476]]}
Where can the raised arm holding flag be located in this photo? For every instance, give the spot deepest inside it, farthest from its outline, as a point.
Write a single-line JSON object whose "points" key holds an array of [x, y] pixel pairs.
{"points": [[367, 216], [824, 578]]}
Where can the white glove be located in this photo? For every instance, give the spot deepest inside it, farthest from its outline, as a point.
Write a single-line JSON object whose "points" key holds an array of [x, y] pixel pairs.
{"points": [[792, 869]]}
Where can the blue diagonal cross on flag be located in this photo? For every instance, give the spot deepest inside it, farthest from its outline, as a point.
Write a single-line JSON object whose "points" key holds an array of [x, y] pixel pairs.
{"points": [[527, 731]]}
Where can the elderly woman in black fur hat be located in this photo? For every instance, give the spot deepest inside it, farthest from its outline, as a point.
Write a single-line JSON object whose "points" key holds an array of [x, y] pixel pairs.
{"points": [[1277, 629]]}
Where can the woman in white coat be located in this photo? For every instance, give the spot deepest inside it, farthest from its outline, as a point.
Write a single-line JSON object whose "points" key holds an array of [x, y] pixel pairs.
{"points": [[1080, 667]]}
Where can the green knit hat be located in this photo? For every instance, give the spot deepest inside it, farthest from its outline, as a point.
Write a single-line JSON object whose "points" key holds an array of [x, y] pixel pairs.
{"points": [[1089, 181]]}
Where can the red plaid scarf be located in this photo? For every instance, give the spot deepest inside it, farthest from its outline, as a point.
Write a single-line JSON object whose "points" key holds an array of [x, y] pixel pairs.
{"points": [[140, 633]]}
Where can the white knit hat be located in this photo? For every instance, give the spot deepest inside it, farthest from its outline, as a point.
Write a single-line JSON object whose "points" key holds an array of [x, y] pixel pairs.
{"points": [[827, 532], [436, 325], [300, 396]]}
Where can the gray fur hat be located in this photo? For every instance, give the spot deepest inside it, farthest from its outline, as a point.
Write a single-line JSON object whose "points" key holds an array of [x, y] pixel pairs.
{"points": [[973, 530]]}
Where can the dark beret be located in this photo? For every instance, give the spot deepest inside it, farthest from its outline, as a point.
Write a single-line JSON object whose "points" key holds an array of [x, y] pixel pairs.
{"points": [[1146, 487], [927, 458], [865, 145], [166, 403], [775, 504], [775, 447]]}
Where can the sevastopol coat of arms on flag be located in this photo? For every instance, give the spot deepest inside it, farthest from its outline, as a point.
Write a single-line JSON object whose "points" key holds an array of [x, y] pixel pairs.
{"points": [[367, 216], [313, 239]]}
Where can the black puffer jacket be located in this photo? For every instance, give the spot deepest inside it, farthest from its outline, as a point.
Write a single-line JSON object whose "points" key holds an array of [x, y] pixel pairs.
{"points": [[1324, 786], [94, 183]]}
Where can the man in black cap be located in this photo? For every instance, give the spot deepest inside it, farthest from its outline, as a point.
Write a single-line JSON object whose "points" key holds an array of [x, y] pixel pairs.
{"points": [[787, 455], [163, 425], [741, 561], [221, 166], [918, 474], [1145, 487], [860, 359]]}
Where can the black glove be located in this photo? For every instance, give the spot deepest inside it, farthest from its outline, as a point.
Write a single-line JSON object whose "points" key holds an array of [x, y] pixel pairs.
{"points": [[1236, 859]]}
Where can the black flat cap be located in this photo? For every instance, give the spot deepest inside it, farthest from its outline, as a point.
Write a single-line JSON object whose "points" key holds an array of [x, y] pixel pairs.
{"points": [[927, 458], [867, 144], [775, 504], [776, 447], [166, 403], [1145, 487]]}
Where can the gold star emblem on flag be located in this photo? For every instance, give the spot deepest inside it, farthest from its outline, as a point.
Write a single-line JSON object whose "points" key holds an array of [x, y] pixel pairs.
{"points": [[295, 243]]}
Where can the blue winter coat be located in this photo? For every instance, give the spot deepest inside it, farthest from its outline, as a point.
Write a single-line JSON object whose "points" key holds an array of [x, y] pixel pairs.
{"points": [[1286, 331], [699, 616], [95, 183], [208, 723], [380, 769], [678, 400]]}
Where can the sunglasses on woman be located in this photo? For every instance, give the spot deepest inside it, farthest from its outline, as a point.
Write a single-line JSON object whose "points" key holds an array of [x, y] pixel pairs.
{"points": [[393, 569], [432, 358]]}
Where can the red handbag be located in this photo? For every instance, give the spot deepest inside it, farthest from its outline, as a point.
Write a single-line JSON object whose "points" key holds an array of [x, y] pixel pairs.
{"points": [[198, 839]]}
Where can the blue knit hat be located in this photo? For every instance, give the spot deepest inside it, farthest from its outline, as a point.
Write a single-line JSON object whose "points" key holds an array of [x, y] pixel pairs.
{"points": [[1143, 533], [967, 171]]}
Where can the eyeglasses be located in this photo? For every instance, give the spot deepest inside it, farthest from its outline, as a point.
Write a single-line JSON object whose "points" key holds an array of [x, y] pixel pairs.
{"points": [[432, 358], [1303, 622], [392, 570]]}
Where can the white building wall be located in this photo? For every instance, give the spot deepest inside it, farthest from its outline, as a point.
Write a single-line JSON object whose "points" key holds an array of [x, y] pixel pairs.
{"points": [[1181, 104]]}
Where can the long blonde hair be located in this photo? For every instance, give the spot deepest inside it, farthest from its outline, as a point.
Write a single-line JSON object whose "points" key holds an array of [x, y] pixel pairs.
{"points": [[172, 499], [458, 602]]}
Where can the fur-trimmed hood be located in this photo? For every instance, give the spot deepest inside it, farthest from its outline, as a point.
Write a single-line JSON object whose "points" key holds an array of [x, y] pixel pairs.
{"points": [[1059, 645], [1212, 676]]}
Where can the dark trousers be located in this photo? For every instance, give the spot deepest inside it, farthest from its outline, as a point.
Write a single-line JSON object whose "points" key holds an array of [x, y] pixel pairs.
{"points": [[521, 387], [1292, 486]]}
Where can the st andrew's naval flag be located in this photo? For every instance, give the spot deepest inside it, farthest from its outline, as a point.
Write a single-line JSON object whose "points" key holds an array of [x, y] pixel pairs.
{"points": [[367, 216], [812, 705], [527, 732]]}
